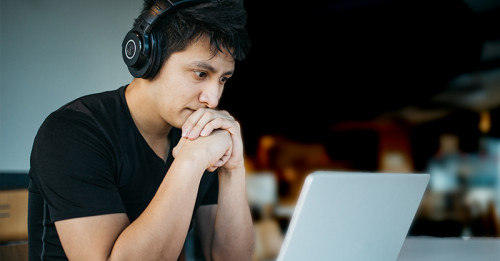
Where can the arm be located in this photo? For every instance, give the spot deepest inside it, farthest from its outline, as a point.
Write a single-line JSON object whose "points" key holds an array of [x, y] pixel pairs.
{"points": [[160, 231], [226, 230], [233, 236]]}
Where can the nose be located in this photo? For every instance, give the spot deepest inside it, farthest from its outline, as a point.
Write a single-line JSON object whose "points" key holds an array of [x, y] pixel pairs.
{"points": [[210, 95]]}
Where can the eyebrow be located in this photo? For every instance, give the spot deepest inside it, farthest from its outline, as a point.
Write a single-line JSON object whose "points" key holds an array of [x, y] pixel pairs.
{"points": [[208, 67]]}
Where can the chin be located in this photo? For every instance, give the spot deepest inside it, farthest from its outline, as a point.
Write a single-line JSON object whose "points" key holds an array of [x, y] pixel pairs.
{"points": [[182, 118]]}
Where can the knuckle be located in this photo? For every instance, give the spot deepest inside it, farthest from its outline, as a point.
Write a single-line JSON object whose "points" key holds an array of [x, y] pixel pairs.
{"points": [[196, 128], [227, 114], [189, 122], [210, 125], [208, 114]]}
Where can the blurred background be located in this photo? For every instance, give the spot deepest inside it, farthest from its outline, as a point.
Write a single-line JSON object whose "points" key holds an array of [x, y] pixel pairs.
{"points": [[373, 85], [360, 85]]}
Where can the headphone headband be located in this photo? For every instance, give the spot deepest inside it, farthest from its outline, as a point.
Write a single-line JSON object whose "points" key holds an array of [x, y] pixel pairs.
{"points": [[151, 16], [140, 51]]}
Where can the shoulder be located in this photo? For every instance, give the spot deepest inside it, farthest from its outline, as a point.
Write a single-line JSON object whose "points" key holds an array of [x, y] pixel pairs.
{"points": [[83, 119], [93, 104], [87, 111]]}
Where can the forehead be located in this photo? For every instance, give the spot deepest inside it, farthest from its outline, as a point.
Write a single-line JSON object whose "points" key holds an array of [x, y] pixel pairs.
{"points": [[202, 50]]}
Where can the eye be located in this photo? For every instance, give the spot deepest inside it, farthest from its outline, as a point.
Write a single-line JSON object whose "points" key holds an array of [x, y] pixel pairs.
{"points": [[201, 74], [224, 79]]}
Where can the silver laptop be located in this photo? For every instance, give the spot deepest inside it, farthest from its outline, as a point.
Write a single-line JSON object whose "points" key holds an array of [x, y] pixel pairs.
{"points": [[352, 216]]}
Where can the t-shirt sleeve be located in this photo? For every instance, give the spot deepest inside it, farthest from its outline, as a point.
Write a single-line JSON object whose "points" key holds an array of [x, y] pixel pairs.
{"points": [[72, 165]]}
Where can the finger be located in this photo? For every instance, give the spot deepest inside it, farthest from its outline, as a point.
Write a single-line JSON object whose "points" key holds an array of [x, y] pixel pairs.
{"points": [[225, 158], [208, 116], [212, 169], [222, 161], [191, 122], [210, 126], [195, 131], [220, 123]]}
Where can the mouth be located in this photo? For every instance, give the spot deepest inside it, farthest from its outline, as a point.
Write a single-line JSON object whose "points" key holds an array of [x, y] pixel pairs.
{"points": [[189, 111], [193, 109]]}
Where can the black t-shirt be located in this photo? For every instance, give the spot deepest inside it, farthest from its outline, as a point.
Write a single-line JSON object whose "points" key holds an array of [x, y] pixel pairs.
{"points": [[89, 158]]}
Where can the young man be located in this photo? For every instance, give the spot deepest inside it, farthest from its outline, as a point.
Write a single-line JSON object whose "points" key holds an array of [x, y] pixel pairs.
{"points": [[124, 174]]}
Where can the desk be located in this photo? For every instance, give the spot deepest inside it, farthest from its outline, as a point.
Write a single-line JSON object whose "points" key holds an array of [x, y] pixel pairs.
{"points": [[17, 251], [450, 249]]}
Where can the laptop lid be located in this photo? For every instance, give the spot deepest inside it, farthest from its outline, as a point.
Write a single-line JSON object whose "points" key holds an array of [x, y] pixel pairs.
{"points": [[352, 216]]}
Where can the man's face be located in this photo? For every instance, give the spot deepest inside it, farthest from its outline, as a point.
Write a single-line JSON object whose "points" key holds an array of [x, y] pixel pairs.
{"points": [[190, 80]]}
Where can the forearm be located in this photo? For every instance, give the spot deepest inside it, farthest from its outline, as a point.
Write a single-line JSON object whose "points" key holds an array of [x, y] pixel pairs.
{"points": [[159, 232], [234, 236]]}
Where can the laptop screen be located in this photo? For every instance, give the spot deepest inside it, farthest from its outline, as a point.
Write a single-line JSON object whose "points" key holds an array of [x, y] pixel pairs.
{"points": [[352, 216]]}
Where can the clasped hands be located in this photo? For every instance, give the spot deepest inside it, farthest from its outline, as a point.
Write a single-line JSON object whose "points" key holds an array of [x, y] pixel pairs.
{"points": [[215, 137]]}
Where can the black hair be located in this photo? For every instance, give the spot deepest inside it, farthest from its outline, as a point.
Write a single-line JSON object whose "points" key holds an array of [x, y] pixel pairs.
{"points": [[222, 21]]}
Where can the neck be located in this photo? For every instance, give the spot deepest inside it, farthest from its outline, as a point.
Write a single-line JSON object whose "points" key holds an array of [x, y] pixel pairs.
{"points": [[144, 112]]}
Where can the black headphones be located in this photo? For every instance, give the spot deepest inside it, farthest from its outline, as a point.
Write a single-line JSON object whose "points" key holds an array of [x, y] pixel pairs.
{"points": [[140, 49]]}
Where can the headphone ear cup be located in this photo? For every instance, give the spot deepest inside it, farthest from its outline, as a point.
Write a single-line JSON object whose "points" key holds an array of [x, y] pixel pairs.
{"points": [[136, 52], [155, 57], [132, 48], [141, 54]]}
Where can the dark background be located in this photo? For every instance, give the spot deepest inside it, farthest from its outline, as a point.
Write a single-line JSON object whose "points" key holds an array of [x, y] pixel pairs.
{"points": [[319, 63]]}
